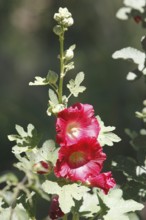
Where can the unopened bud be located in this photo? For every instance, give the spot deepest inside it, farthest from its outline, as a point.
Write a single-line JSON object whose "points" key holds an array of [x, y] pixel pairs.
{"points": [[69, 54], [52, 77], [64, 17], [57, 30], [137, 18], [42, 167]]}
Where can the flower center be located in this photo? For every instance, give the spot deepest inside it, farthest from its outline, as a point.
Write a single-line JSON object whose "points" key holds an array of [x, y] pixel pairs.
{"points": [[77, 159], [73, 130]]}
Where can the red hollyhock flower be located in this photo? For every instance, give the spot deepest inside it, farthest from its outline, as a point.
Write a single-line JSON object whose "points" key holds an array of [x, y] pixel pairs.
{"points": [[75, 123], [55, 211], [103, 181], [80, 161]]}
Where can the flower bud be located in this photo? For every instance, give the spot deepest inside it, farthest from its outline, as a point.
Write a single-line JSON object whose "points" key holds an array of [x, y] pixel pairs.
{"points": [[42, 167], [137, 18], [57, 30], [52, 77], [64, 17], [67, 22], [69, 54]]}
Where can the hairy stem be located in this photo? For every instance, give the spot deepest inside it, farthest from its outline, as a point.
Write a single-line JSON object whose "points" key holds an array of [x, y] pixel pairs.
{"points": [[60, 90], [64, 217], [75, 216]]}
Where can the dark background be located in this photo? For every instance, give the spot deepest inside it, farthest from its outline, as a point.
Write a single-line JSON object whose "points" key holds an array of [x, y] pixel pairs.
{"points": [[28, 48]]}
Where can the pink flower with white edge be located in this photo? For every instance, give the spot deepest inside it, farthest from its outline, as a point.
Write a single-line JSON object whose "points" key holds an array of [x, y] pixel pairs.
{"points": [[75, 123], [80, 161], [103, 181]]}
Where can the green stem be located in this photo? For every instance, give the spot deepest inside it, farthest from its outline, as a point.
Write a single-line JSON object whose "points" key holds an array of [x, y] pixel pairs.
{"points": [[64, 217], [18, 188], [75, 216], [60, 90]]}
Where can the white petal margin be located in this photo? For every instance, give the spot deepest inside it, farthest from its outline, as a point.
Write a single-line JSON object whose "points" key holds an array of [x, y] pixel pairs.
{"points": [[127, 53]]}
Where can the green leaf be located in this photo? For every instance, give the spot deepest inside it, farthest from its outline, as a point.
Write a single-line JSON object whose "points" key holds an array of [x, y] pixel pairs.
{"points": [[66, 193], [131, 134], [125, 164], [52, 77], [135, 190], [140, 142], [74, 85]]}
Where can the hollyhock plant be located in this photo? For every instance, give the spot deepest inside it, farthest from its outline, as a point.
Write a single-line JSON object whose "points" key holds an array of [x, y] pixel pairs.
{"points": [[76, 122], [68, 176]]}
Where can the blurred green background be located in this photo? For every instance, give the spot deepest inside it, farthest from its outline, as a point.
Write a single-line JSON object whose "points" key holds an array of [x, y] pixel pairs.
{"points": [[28, 47]]}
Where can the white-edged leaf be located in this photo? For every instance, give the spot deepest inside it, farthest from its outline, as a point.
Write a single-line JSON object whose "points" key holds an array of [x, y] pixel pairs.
{"points": [[53, 97], [133, 216], [133, 54], [106, 136], [18, 150], [20, 131], [48, 152], [30, 128], [39, 81], [136, 4], [122, 13], [74, 85], [90, 204], [79, 78], [118, 207], [131, 76], [66, 193], [19, 213]]}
